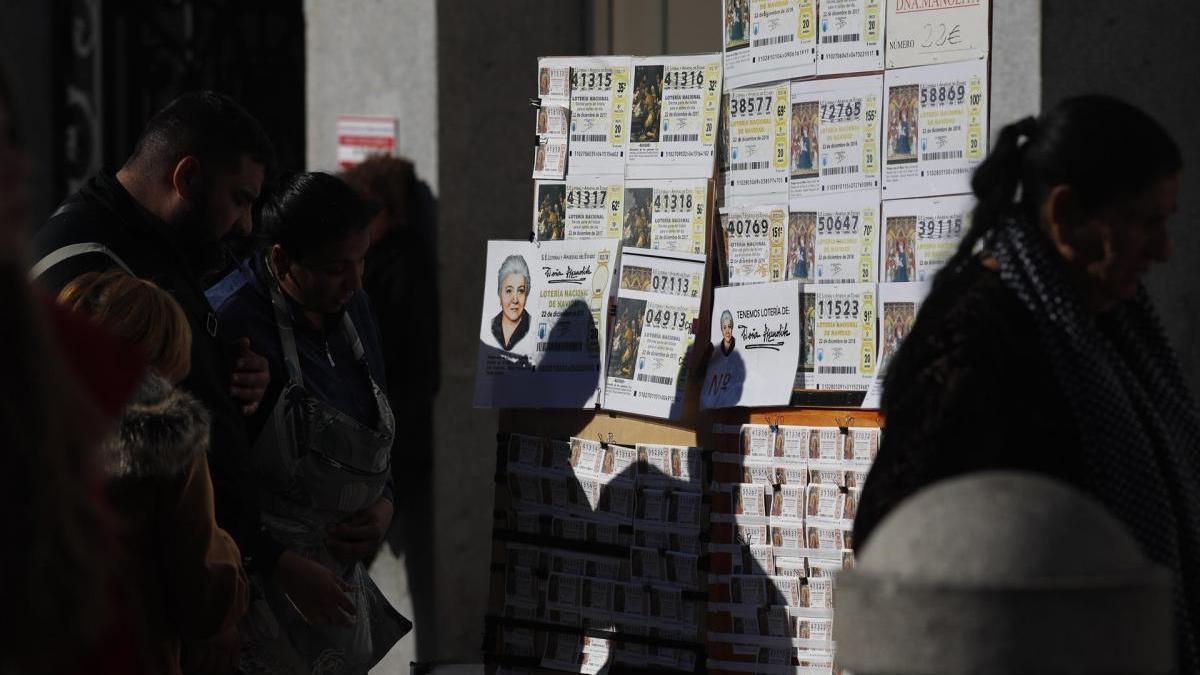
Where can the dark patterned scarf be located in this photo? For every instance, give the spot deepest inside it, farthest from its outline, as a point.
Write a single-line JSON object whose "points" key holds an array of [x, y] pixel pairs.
{"points": [[1132, 410]]}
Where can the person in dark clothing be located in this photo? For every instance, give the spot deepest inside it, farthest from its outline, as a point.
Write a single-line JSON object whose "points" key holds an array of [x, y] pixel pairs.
{"points": [[190, 182], [65, 380], [403, 258], [186, 570], [1038, 348], [322, 440]]}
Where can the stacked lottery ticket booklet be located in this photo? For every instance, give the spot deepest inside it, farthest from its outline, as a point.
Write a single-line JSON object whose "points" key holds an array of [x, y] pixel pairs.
{"points": [[784, 501], [617, 553]]}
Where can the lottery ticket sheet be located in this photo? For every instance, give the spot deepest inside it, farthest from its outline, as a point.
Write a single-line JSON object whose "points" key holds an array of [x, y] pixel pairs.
{"points": [[755, 243], [935, 128], [666, 217], [920, 235], [759, 132], [898, 307], [805, 377], [766, 40], [553, 117], [834, 136], [658, 301], [600, 100], [844, 339], [581, 207], [836, 238], [674, 118], [850, 36]]}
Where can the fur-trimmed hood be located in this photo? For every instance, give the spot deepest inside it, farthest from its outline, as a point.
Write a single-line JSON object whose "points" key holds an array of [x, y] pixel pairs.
{"points": [[159, 434]]}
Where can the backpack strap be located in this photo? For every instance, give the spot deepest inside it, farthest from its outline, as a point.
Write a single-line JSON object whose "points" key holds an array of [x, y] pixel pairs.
{"points": [[72, 250]]}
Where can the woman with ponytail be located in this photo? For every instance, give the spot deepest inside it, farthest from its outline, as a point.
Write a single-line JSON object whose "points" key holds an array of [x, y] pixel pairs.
{"points": [[1038, 348]]}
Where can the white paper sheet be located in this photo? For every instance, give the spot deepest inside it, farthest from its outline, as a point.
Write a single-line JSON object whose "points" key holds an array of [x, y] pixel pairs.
{"points": [[755, 346]]}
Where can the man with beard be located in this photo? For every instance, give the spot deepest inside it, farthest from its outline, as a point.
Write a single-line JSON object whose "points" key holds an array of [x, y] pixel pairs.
{"points": [[190, 182]]}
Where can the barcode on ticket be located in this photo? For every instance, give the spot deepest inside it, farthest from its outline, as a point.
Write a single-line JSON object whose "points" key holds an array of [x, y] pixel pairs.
{"points": [[836, 370], [834, 39], [655, 379], [749, 166], [948, 154], [840, 170], [777, 40], [681, 138], [589, 138]]}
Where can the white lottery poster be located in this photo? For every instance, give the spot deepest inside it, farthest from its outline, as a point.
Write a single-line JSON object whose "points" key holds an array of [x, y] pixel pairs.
{"points": [[675, 112], [834, 143], [578, 208], [851, 36], [755, 243], [920, 235], [758, 145], [935, 129], [846, 236], [658, 300], [845, 336], [767, 40], [600, 109], [755, 346], [922, 32], [667, 217], [898, 307], [543, 323]]}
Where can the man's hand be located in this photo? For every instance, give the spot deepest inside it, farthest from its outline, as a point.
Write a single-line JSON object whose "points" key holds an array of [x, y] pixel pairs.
{"points": [[318, 594], [251, 375], [356, 537]]}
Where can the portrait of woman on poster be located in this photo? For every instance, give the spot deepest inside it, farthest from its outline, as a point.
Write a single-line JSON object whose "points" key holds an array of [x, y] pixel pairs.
{"points": [[511, 324], [727, 340]]}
